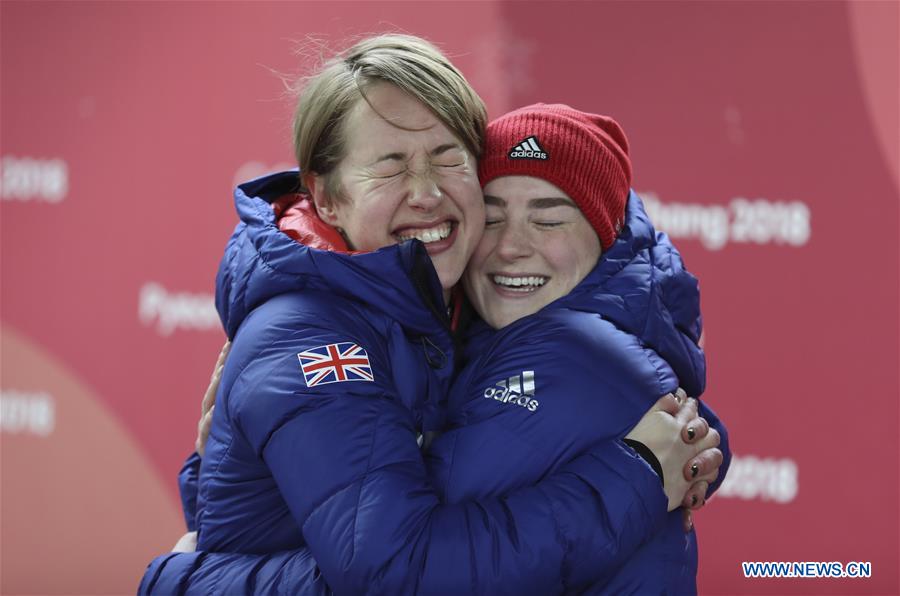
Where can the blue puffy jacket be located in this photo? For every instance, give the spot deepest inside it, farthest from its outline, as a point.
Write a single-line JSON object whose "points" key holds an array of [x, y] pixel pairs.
{"points": [[585, 368], [298, 460]]}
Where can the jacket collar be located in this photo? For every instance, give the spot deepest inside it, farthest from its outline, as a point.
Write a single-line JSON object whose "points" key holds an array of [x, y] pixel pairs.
{"points": [[262, 261]]}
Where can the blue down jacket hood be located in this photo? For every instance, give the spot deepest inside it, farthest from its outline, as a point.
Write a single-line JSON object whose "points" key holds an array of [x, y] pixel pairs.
{"points": [[640, 285], [262, 261]]}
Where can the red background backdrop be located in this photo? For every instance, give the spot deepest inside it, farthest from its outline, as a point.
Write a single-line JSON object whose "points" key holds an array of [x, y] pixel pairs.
{"points": [[124, 126]]}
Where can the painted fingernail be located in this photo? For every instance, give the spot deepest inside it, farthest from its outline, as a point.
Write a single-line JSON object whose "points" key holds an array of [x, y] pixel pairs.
{"points": [[691, 432], [693, 500], [694, 469]]}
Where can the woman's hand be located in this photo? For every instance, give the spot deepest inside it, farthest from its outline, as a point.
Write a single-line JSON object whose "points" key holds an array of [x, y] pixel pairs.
{"points": [[709, 461], [683, 444], [208, 405], [186, 544]]}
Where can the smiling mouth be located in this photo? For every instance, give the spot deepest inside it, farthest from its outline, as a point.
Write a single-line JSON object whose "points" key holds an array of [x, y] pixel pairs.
{"points": [[426, 235], [524, 284]]}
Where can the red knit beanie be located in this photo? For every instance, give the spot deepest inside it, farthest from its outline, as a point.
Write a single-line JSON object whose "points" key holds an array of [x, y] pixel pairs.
{"points": [[586, 155]]}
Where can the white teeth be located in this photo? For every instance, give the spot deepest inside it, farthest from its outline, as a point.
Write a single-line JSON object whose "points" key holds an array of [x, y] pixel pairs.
{"points": [[434, 234], [529, 283]]}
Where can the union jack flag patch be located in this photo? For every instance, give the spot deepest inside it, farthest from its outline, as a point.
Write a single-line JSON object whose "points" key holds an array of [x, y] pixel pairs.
{"points": [[335, 363]]}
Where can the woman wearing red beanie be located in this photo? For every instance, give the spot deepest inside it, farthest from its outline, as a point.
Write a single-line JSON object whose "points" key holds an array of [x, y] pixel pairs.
{"points": [[593, 303]]}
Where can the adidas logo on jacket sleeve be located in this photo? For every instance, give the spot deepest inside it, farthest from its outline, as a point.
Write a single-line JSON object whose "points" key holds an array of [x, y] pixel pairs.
{"points": [[516, 390]]}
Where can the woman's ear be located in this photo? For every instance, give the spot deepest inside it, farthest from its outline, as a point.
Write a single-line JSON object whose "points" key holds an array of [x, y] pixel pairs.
{"points": [[315, 184]]}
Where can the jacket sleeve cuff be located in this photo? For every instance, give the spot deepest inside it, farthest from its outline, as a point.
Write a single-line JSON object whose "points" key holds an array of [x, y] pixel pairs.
{"points": [[724, 447], [188, 481], [167, 574], [289, 572], [648, 456]]}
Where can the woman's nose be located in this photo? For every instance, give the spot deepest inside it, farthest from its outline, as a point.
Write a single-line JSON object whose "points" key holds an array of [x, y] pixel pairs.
{"points": [[514, 243], [424, 192]]}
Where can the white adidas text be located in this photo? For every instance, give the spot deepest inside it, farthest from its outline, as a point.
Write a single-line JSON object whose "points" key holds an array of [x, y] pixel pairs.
{"points": [[517, 390]]}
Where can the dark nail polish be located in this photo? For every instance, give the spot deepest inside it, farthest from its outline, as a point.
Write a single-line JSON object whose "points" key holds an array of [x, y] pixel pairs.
{"points": [[691, 433], [693, 500], [694, 469]]}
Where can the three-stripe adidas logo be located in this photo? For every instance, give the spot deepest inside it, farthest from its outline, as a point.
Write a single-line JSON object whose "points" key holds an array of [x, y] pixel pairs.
{"points": [[517, 390], [528, 149]]}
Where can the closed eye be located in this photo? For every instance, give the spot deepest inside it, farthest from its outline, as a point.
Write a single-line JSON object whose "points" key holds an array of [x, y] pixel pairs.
{"points": [[386, 176]]}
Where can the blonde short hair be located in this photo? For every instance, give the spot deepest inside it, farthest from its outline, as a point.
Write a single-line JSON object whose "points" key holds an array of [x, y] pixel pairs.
{"points": [[412, 64]]}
